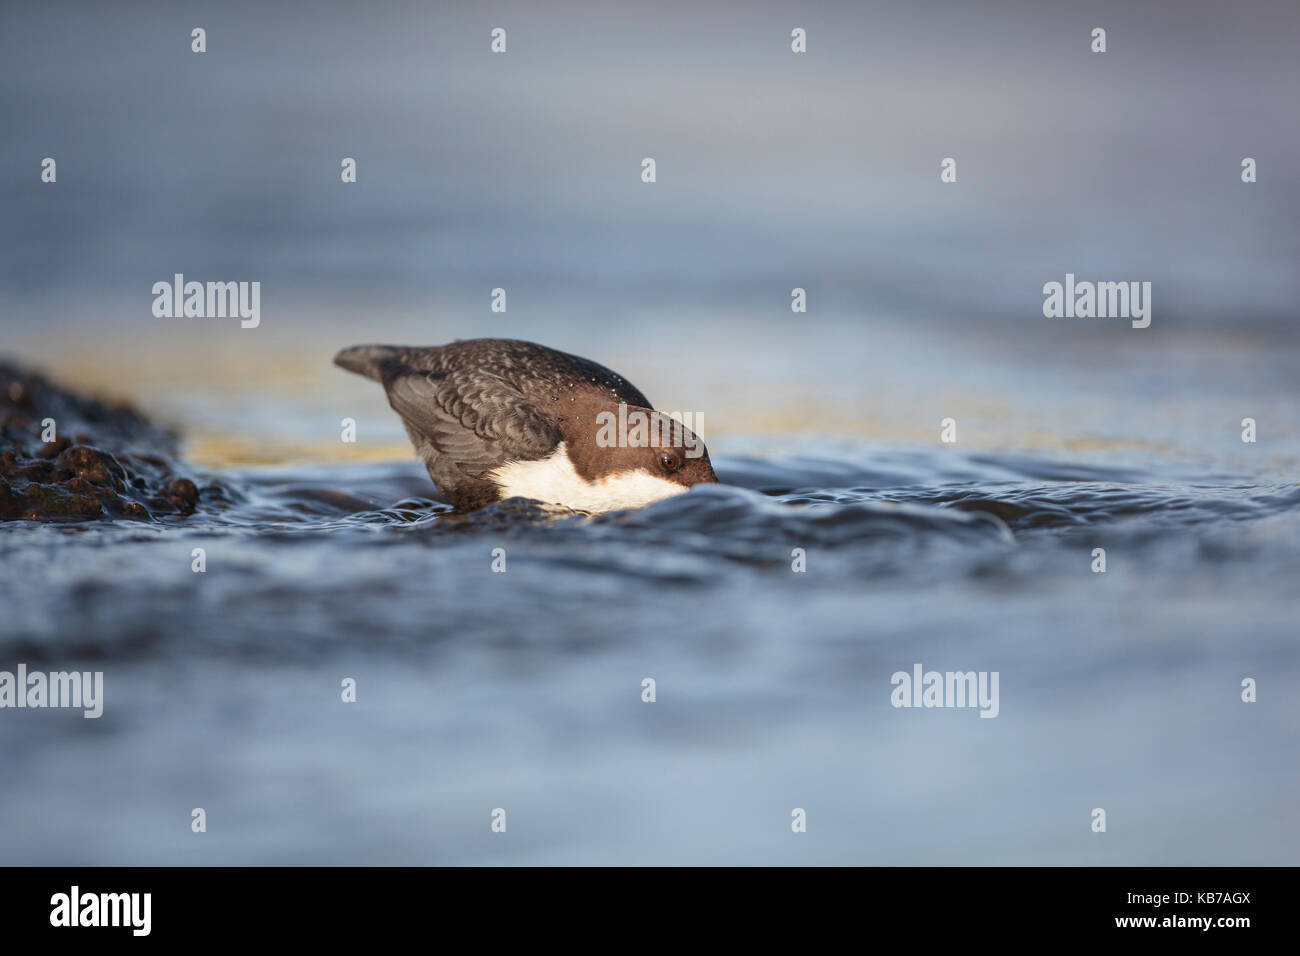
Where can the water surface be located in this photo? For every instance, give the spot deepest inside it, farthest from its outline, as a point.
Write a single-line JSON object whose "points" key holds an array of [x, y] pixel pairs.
{"points": [[522, 690]]}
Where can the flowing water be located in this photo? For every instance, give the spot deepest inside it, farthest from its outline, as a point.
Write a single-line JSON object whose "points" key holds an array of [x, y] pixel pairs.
{"points": [[522, 689]]}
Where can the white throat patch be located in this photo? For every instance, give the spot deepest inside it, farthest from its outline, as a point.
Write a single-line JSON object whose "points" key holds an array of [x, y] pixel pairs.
{"points": [[554, 480]]}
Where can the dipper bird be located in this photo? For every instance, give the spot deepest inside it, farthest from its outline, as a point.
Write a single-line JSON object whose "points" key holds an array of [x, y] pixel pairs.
{"points": [[498, 418]]}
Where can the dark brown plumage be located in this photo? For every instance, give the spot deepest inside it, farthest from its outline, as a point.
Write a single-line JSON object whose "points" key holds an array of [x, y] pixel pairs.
{"points": [[476, 405]]}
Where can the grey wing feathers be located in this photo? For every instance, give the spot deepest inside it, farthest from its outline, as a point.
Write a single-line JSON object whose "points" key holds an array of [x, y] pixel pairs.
{"points": [[476, 421], [533, 370]]}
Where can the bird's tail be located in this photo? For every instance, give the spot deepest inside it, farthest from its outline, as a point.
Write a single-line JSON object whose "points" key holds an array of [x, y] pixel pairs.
{"points": [[366, 359]]}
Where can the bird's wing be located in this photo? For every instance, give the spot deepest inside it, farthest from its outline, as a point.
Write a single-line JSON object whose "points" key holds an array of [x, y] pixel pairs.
{"points": [[479, 421]]}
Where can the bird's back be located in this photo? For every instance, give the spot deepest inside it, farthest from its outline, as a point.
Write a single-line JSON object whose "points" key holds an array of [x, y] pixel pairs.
{"points": [[537, 372], [473, 405]]}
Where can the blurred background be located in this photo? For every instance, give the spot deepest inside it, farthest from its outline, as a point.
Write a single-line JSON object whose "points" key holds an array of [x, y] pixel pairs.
{"points": [[775, 170], [820, 171]]}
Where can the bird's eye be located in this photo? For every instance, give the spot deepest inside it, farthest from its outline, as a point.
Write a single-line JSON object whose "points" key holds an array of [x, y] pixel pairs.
{"points": [[669, 462]]}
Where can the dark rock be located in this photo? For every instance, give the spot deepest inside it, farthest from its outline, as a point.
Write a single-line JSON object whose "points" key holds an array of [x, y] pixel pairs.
{"points": [[55, 448], [95, 466], [105, 460]]}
